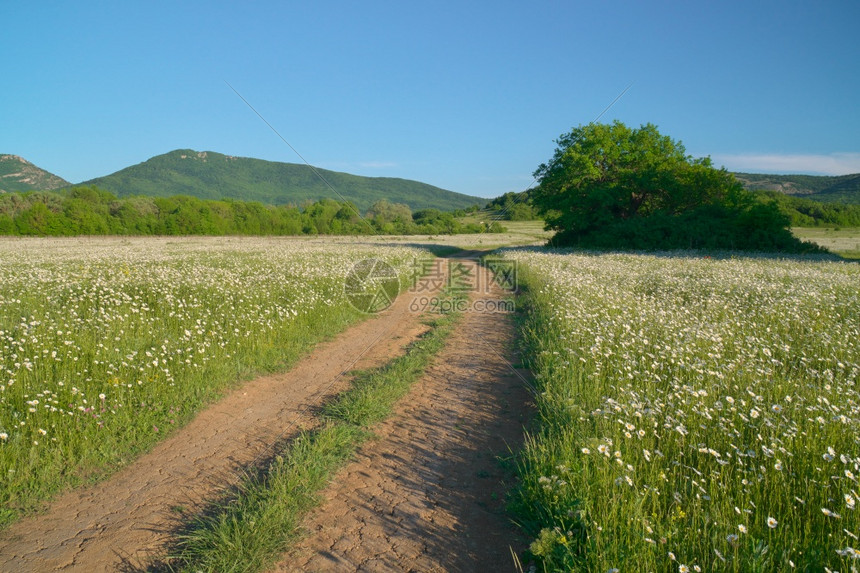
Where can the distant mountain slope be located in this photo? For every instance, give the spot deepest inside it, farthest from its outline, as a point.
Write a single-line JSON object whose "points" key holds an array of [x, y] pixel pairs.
{"points": [[824, 188], [210, 175], [18, 174]]}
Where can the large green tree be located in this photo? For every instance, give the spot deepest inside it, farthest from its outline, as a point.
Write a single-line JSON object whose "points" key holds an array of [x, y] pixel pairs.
{"points": [[609, 185]]}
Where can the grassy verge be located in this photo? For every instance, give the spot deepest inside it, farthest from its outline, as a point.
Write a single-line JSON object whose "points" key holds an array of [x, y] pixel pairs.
{"points": [[249, 531], [695, 414]]}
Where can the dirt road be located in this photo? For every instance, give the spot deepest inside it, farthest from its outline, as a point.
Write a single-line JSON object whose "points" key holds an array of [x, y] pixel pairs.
{"points": [[430, 487], [429, 494]]}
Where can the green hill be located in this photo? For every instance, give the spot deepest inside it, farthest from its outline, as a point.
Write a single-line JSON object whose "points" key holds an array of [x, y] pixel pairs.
{"points": [[18, 174], [209, 175], [824, 188]]}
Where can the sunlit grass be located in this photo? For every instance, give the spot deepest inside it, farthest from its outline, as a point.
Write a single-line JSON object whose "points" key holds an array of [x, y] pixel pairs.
{"points": [[108, 344], [694, 412]]}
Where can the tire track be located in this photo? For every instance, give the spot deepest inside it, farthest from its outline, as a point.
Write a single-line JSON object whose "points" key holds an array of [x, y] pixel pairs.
{"points": [[429, 494]]}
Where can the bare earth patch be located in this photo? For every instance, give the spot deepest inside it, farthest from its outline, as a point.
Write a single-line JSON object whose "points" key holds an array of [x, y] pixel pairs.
{"points": [[428, 494]]}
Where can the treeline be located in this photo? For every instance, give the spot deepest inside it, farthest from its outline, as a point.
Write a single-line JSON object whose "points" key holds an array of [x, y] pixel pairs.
{"points": [[809, 213], [93, 211], [514, 206]]}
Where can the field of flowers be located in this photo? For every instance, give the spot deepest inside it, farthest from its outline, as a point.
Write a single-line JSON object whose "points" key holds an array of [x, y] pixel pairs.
{"points": [[695, 414], [106, 344]]}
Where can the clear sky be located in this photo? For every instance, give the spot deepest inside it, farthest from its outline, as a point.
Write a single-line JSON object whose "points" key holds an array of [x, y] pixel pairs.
{"points": [[469, 96]]}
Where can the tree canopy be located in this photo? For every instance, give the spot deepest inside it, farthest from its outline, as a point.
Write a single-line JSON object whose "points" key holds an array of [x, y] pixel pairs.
{"points": [[611, 186], [513, 206]]}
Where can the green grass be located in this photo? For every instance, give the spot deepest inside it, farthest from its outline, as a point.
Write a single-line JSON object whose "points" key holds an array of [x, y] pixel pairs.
{"points": [[374, 392], [255, 526], [106, 346], [694, 412]]}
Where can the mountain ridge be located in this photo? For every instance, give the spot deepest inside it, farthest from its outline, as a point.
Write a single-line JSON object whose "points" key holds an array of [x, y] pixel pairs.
{"points": [[189, 172], [823, 188], [17, 175], [213, 175]]}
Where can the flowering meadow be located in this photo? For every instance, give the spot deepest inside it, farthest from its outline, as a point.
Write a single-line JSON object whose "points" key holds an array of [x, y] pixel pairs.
{"points": [[695, 414], [107, 344]]}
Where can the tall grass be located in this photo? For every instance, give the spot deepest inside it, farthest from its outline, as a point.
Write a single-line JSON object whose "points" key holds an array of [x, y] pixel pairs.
{"points": [[107, 345], [695, 414]]}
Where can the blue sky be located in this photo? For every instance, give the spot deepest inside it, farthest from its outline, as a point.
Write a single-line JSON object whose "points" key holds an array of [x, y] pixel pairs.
{"points": [[466, 96]]}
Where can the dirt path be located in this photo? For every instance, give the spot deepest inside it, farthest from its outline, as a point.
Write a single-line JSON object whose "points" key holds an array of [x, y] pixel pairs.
{"points": [[124, 521], [428, 495]]}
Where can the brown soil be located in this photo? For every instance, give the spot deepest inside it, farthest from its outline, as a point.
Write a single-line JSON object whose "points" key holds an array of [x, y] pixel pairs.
{"points": [[428, 495]]}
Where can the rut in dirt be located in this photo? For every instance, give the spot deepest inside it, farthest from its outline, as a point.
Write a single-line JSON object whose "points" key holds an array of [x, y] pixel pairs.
{"points": [[429, 494]]}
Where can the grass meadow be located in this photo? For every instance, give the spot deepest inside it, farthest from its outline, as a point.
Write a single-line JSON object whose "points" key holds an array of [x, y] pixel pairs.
{"points": [[108, 344], [694, 413], [843, 241]]}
